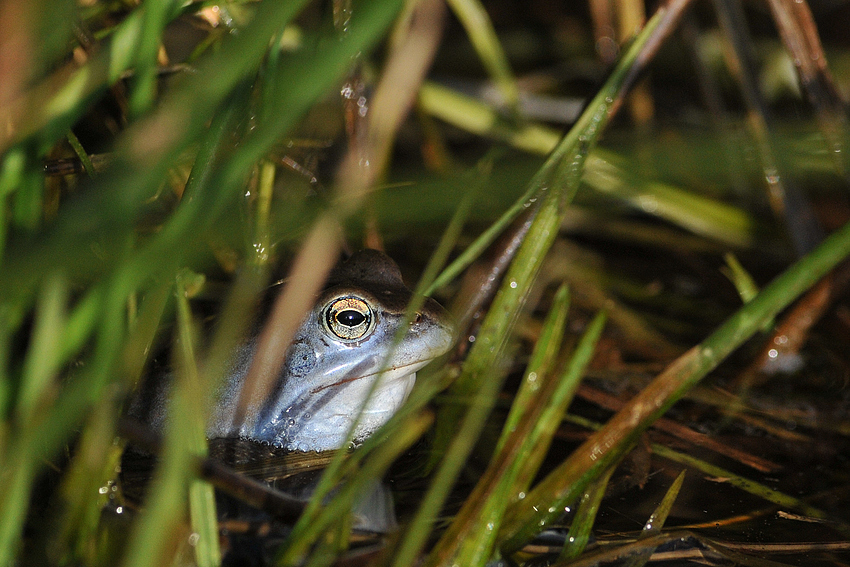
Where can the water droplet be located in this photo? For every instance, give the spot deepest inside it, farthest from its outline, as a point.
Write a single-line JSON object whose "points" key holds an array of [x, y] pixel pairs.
{"points": [[291, 421], [521, 496], [193, 539], [648, 203], [513, 284], [102, 490]]}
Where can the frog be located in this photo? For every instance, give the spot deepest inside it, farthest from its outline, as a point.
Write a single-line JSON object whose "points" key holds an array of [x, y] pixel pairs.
{"points": [[354, 358]]}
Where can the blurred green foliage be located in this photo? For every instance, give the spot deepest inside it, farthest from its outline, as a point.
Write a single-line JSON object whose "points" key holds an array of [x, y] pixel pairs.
{"points": [[178, 193]]}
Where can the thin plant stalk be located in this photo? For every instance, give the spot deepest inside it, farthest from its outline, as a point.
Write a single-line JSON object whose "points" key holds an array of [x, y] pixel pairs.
{"points": [[585, 516]]}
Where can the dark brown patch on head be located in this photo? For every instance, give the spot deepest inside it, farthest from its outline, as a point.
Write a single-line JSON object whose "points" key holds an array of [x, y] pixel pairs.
{"points": [[370, 269]]}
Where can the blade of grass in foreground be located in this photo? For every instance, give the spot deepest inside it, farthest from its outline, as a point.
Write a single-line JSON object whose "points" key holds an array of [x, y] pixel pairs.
{"points": [[564, 484], [582, 523], [657, 519], [527, 434], [184, 440], [482, 371], [480, 380], [464, 543]]}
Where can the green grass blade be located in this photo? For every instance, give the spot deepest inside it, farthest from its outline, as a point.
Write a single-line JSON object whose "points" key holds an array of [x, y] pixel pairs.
{"points": [[469, 539], [81, 152], [582, 524], [43, 360], [481, 377], [488, 346], [539, 366], [143, 84], [184, 441], [743, 281], [659, 516], [556, 400], [430, 280], [88, 486], [657, 519], [479, 29]]}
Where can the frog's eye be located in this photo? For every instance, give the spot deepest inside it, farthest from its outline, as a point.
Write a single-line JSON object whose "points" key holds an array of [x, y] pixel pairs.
{"points": [[348, 318]]}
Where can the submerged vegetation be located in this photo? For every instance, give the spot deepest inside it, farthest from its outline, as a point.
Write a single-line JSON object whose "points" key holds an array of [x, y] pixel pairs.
{"points": [[636, 212]]}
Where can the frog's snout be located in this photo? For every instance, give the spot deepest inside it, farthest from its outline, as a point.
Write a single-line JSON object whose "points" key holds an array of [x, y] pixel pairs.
{"points": [[435, 327]]}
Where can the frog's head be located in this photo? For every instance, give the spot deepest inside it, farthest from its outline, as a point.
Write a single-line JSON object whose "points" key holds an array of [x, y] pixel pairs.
{"points": [[356, 339]]}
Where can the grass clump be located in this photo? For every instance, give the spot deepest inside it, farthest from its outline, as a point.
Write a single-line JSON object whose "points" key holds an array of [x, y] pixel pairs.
{"points": [[162, 163]]}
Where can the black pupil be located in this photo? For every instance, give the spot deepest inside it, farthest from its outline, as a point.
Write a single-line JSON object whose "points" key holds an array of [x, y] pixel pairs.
{"points": [[350, 318]]}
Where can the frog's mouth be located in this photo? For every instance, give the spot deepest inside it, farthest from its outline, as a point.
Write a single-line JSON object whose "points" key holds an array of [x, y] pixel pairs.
{"points": [[415, 366]]}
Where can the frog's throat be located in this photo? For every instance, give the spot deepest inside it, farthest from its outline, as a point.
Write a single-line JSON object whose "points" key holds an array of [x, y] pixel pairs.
{"points": [[418, 364]]}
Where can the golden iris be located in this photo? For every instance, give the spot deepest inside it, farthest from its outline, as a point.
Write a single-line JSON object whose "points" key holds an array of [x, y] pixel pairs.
{"points": [[349, 318]]}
